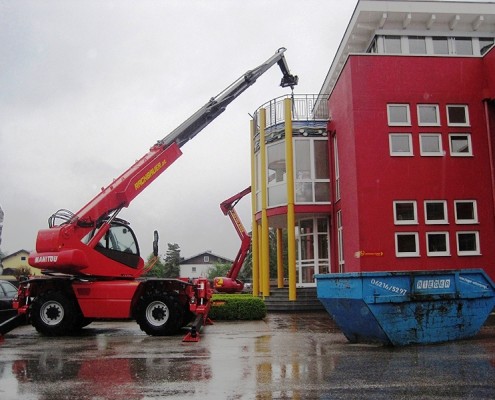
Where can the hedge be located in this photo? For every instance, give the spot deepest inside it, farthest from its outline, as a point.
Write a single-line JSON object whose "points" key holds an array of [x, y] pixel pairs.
{"points": [[236, 307]]}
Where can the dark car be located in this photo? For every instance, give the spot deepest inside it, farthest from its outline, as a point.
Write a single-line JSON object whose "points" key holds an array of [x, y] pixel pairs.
{"points": [[7, 293]]}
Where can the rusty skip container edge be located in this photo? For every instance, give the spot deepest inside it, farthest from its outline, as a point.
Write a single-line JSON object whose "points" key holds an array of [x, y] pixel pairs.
{"points": [[402, 308]]}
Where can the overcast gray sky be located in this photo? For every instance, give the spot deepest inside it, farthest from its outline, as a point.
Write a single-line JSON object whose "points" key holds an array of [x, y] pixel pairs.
{"points": [[87, 87]]}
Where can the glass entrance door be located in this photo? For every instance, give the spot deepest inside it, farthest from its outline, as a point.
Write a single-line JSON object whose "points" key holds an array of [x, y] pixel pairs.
{"points": [[313, 250]]}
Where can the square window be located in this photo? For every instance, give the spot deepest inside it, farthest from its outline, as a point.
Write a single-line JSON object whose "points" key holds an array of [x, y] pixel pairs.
{"points": [[468, 243], [466, 212], [457, 115], [460, 145], [437, 244], [436, 212], [431, 144], [398, 115], [400, 144], [405, 213], [428, 115], [393, 44], [406, 244]]}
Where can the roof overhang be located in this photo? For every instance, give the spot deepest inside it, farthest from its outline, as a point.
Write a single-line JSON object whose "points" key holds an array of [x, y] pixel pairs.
{"points": [[372, 17]]}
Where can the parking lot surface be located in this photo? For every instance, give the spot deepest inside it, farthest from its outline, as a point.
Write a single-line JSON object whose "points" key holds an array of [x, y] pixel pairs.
{"points": [[285, 356]]}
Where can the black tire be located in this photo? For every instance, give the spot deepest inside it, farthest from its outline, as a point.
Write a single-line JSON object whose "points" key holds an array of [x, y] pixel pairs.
{"points": [[159, 314], [53, 314]]}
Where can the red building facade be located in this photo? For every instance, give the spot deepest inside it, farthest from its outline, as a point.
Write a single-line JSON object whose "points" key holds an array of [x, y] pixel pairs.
{"points": [[412, 128]]}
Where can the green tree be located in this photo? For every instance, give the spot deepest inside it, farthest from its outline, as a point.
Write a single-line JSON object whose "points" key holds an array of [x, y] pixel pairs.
{"points": [[246, 271], [158, 269], [218, 270], [172, 261]]}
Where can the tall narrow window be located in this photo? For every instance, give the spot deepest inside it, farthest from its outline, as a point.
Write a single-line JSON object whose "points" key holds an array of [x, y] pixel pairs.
{"points": [[340, 240], [321, 171], [312, 178], [313, 250], [277, 177], [337, 170]]}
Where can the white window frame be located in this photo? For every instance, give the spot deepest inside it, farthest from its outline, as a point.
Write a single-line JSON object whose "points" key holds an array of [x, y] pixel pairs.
{"points": [[408, 115], [466, 112], [475, 252], [436, 221], [311, 180], [340, 241], [400, 153], [424, 153], [442, 253], [466, 221], [337, 169], [458, 154], [437, 115], [410, 253], [408, 221]]}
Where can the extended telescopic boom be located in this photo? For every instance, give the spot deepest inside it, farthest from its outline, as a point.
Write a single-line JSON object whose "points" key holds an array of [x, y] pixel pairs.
{"points": [[60, 248]]}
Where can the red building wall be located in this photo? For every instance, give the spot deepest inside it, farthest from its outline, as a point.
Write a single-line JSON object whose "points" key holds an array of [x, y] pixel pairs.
{"points": [[371, 179]]}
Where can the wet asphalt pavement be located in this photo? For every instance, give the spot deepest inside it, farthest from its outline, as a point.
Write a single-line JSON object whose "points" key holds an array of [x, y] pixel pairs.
{"points": [[286, 356]]}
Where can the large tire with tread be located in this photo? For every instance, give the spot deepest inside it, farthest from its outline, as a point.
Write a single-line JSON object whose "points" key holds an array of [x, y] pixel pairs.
{"points": [[159, 314], [54, 314]]}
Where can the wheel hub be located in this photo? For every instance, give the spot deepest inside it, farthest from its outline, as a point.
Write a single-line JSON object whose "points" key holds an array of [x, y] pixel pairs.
{"points": [[52, 313], [157, 313]]}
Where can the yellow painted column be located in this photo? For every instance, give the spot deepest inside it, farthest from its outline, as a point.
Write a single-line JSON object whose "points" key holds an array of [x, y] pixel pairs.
{"points": [[291, 218], [265, 257], [280, 259], [260, 261], [255, 261]]}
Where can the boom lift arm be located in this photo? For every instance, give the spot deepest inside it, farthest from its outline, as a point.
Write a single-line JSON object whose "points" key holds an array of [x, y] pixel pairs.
{"points": [[74, 245], [230, 283]]}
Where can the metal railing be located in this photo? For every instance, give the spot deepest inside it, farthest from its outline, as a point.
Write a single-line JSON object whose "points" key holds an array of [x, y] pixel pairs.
{"points": [[305, 107]]}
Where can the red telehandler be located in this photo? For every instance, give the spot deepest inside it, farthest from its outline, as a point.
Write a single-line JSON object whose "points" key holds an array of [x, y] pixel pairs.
{"points": [[230, 283], [91, 261]]}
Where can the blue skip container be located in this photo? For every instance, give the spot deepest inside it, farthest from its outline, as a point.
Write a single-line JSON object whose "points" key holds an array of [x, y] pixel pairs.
{"points": [[402, 308]]}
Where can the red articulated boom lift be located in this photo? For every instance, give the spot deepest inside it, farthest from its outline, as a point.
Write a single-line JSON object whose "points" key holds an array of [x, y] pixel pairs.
{"points": [[91, 261], [230, 283]]}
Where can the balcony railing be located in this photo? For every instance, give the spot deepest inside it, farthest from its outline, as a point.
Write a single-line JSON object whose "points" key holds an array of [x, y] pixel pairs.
{"points": [[303, 109]]}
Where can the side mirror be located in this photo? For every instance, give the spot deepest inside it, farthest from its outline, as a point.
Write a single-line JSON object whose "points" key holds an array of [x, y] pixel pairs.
{"points": [[155, 243]]}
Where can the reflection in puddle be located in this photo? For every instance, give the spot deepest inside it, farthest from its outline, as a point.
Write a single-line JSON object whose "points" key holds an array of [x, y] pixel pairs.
{"points": [[283, 357]]}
